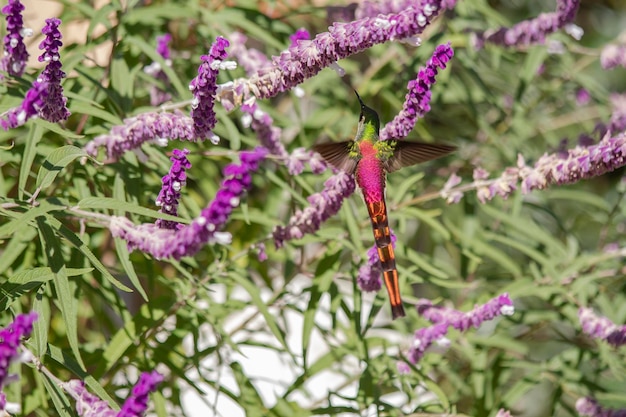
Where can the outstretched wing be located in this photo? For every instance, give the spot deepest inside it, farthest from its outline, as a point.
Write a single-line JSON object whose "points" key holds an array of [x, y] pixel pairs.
{"points": [[407, 153], [338, 155]]}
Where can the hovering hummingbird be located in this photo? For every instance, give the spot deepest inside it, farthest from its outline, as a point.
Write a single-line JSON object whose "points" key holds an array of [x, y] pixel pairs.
{"points": [[370, 159]]}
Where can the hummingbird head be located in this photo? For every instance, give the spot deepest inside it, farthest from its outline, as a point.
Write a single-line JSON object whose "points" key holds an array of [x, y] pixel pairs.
{"points": [[368, 121]]}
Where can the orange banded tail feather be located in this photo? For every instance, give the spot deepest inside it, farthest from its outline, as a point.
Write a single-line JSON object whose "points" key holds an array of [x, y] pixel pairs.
{"points": [[382, 236]]}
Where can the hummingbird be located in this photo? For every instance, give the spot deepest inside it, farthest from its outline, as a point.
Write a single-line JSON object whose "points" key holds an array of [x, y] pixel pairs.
{"points": [[370, 159]]}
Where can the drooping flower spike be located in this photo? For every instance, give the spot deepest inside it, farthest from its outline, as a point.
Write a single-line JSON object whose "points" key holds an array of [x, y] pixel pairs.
{"points": [[157, 95], [601, 328], [173, 182]]}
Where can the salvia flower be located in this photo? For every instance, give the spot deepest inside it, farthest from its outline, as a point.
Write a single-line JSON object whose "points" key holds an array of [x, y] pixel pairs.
{"points": [[309, 57], [137, 403], [444, 318], [324, 205], [369, 274], [559, 168], [532, 31], [172, 184], [88, 405], [204, 87], [601, 327], [10, 339], [372, 8], [157, 95], [589, 407], [15, 53], [34, 101], [417, 100], [165, 243], [145, 127], [54, 108]]}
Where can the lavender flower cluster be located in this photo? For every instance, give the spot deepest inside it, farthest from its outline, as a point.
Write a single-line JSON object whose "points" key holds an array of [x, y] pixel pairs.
{"points": [[444, 318], [417, 100], [54, 109], [601, 327], [173, 182], [15, 53]]}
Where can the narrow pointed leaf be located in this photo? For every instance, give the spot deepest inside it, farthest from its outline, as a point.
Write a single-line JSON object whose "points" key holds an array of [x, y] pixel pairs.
{"points": [[55, 162]]}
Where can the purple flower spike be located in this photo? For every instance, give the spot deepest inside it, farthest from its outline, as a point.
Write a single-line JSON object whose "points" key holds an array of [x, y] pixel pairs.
{"points": [[33, 102], [137, 403], [165, 243], [87, 404], [532, 31], [589, 407], [309, 57], [417, 100], [323, 206], [54, 109], [172, 184], [269, 136], [158, 96], [368, 278], [250, 59], [444, 318], [204, 87], [15, 54], [601, 327], [145, 127], [10, 338]]}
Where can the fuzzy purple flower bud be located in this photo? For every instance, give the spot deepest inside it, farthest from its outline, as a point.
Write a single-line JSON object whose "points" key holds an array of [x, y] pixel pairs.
{"points": [[54, 108], [323, 205], [165, 243], [204, 87], [613, 56], [589, 407], [172, 184], [10, 339], [15, 53], [137, 402], [444, 318], [531, 31], [33, 102], [417, 100], [601, 327], [87, 404], [300, 34]]}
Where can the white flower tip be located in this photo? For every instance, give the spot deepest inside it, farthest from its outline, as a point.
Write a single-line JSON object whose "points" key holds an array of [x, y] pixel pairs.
{"points": [[234, 202], [27, 32], [201, 221], [411, 40], [574, 31], [507, 310], [176, 185], [421, 20], [443, 342], [258, 114], [210, 227], [214, 139], [223, 238], [162, 142], [246, 120], [228, 65], [298, 92], [214, 65]]}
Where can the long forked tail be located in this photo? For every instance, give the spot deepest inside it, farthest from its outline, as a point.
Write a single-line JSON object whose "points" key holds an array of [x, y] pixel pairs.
{"points": [[382, 236]]}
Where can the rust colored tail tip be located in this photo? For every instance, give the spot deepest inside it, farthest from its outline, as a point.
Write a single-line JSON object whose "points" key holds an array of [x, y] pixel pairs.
{"points": [[397, 311]]}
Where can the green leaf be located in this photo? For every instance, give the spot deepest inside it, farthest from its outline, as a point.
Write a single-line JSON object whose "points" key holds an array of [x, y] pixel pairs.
{"points": [[55, 162], [22, 220], [65, 289], [34, 136], [115, 204], [61, 402]]}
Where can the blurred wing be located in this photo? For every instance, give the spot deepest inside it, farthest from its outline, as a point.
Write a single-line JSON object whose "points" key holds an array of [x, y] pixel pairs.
{"points": [[407, 153], [338, 155]]}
